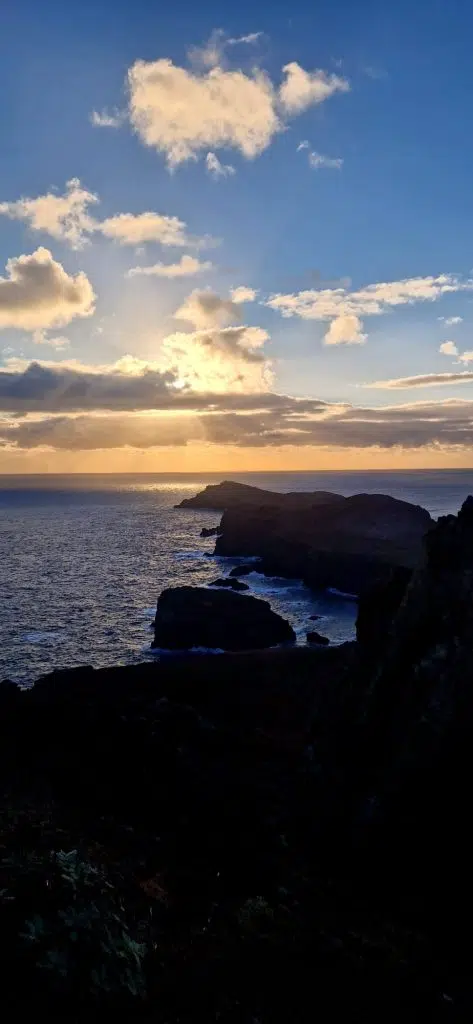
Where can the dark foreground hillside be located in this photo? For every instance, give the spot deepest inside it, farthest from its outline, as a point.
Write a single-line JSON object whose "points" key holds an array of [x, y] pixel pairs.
{"points": [[273, 836]]}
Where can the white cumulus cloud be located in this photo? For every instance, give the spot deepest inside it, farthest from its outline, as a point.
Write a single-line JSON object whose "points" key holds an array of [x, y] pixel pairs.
{"points": [[38, 293], [301, 89], [329, 304], [448, 348], [64, 217], [67, 218], [243, 294], [345, 330], [136, 228], [180, 111]]}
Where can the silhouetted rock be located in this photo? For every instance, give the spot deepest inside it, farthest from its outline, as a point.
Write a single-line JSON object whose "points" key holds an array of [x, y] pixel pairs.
{"points": [[244, 570], [377, 607], [230, 494], [189, 617], [344, 543], [209, 531], [231, 584], [316, 638]]}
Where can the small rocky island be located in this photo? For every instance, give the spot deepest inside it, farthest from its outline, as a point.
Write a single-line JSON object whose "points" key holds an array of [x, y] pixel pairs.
{"points": [[188, 617]]}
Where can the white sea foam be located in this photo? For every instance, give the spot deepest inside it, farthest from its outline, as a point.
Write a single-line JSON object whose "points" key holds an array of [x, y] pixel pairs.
{"points": [[43, 636], [341, 593], [186, 556]]}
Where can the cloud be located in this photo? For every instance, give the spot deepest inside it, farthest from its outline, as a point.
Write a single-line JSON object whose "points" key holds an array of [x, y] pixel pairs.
{"points": [[317, 160], [187, 266], [327, 304], [217, 169], [38, 293], [221, 359], [105, 120], [67, 218], [180, 112], [213, 51], [60, 387], [423, 380], [440, 424], [259, 419], [89, 432], [451, 320], [345, 330], [59, 342], [243, 294], [466, 357], [206, 309], [302, 89], [63, 217], [448, 348], [248, 40], [134, 229]]}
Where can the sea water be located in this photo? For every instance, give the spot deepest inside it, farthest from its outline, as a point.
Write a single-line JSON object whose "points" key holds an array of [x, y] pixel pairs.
{"points": [[84, 558]]}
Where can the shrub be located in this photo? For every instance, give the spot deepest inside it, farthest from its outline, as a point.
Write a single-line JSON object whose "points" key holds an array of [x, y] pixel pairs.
{"points": [[70, 926]]}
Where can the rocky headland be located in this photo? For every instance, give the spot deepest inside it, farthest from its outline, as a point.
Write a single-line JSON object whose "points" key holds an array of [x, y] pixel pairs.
{"points": [[267, 836], [322, 538]]}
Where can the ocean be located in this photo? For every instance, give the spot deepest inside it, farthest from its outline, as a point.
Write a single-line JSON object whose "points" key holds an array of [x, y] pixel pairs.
{"points": [[83, 559]]}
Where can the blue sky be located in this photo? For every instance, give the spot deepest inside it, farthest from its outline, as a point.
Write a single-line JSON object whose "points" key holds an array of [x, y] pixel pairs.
{"points": [[287, 220]]}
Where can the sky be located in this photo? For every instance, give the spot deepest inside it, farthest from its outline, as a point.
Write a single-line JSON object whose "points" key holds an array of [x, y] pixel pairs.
{"points": [[235, 239]]}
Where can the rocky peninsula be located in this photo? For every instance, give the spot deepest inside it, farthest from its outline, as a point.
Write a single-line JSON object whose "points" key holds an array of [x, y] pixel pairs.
{"points": [[324, 539]]}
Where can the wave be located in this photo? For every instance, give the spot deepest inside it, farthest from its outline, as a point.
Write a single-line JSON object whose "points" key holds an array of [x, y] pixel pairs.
{"points": [[170, 652], [185, 556], [341, 593], [43, 636]]}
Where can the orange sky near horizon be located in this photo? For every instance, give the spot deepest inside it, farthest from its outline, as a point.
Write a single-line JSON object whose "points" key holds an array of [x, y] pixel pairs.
{"points": [[196, 458]]}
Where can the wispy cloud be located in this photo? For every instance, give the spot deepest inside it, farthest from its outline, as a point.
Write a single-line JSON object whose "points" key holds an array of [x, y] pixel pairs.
{"points": [[318, 160], [248, 40], [422, 380], [105, 119], [186, 267], [216, 168]]}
